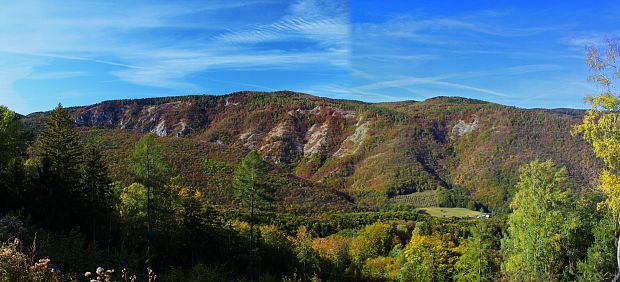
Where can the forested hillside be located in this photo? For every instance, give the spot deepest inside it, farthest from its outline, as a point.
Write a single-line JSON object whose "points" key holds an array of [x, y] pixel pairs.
{"points": [[290, 187], [345, 155]]}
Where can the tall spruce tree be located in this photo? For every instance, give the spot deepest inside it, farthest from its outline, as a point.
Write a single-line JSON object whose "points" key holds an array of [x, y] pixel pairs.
{"points": [[96, 189], [58, 187], [251, 188], [59, 144]]}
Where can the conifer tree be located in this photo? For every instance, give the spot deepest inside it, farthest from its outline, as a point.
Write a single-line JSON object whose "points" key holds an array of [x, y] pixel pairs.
{"points": [[59, 143], [150, 170], [251, 188], [148, 165], [57, 189], [96, 188], [194, 220]]}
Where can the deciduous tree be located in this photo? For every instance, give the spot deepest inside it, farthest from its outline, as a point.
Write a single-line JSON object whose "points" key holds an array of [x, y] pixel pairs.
{"points": [[12, 150], [601, 125], [539, 225], [428, 258]]}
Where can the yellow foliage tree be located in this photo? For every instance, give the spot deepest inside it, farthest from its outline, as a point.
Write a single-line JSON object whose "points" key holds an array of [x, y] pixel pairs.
{"points": [[131, 209], [333, 248], [601, 124], [333, 251], [306, 255], [372, 241], [429, 258]]}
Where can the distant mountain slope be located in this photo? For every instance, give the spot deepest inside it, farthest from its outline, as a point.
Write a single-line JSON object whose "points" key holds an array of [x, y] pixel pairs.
{"points": [[339, 151]]}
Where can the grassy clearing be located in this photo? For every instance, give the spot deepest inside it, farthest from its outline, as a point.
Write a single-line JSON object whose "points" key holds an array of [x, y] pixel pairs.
{"points": [[450, 212]]}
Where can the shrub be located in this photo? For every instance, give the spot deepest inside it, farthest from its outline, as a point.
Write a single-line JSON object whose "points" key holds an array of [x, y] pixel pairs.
{"points": [[18, 266]]}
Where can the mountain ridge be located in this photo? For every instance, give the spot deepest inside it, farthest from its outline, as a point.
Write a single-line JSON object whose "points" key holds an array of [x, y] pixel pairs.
{"points": [[365, 152]]}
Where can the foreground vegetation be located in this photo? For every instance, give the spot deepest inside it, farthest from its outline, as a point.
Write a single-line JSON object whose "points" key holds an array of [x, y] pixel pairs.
{"points": [[65, 217]]}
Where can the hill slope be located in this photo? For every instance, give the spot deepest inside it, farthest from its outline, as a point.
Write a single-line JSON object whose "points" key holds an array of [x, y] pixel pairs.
{"points": [[344, 154]]}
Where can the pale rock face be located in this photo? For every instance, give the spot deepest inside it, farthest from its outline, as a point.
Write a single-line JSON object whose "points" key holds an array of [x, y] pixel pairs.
{"points": [[160, 130], [317, 139], [351, 144], [314, 111], [461, 127], [319, 109], [279, 142], [229, 103], [145, 119], [250, 139], [270, 147], [282, 130], [244, 136], [349, 115], [360, 133]]}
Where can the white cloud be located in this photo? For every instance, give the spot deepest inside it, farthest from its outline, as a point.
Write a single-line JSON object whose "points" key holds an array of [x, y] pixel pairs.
{"points": [[325, 22], [118, 34], [56, 75], [440, 81], [10, 72], [584, 40], [436, 30], [406, 83]]}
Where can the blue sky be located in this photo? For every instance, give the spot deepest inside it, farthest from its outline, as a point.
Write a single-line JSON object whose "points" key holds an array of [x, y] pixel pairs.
{"points": [[82, 52], [520, 53]]}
